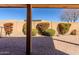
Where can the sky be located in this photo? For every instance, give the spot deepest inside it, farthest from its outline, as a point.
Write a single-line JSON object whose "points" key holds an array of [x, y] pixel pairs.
{"points": [[12, 13], [49, 14]]}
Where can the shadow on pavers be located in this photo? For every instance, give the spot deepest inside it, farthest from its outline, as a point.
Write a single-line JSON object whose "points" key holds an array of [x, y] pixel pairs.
{"points": [[44, 46], [17, 46]]}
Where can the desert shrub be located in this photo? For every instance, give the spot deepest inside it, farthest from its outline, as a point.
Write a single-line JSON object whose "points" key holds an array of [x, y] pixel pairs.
{"points": [[63, 28], [48, 32], [8, 27], [41, 27], [51, 32], [44, 33], [34, 32], [24, 29], [73, 32]]}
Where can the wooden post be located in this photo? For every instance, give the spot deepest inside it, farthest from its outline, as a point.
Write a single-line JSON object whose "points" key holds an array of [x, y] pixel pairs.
{"points": [[1, 32], [29, 26]]}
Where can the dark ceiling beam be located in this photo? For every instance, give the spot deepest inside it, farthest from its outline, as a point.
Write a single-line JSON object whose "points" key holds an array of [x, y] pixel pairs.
{"points": [[55, 5], [13, 6], [40, 5]]}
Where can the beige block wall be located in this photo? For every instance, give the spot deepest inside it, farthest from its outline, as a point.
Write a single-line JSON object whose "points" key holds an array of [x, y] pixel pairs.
{"points": [[17, 28], [55, 24], [73, 26]]}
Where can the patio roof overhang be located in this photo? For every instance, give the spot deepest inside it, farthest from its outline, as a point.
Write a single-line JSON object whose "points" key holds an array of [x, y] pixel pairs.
{"points": [[29, 16], [40, 5]]}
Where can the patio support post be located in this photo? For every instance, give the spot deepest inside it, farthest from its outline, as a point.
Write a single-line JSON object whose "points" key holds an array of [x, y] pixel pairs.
{"points": [[29, 26]]}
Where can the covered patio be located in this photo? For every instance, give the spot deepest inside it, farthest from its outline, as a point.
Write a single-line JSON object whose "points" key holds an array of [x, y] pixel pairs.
{"points": [[37, 45]]}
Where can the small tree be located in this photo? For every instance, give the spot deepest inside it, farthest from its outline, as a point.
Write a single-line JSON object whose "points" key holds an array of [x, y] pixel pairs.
{"points": [[41, 27], [70, 15], [8, 27], [63, 28]]}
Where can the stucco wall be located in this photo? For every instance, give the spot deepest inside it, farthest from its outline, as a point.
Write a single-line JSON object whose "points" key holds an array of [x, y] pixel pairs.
{"points": [[17, 27], [55, 24]]}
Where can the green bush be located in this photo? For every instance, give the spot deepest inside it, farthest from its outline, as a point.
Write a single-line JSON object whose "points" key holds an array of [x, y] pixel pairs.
{"points": [[48, 32], [24, 30], [34, 32], [63, 28], [44, 33], [51, 32]]}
